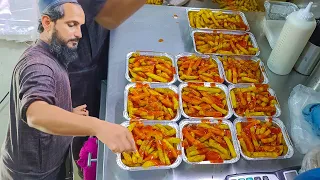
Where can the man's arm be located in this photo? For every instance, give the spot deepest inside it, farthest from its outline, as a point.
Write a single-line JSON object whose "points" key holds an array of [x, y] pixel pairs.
{"points": [[114, 12], [54, 120]]}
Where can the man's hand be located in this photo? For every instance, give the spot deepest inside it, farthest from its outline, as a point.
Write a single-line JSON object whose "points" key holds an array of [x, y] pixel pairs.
{"points": [[116, 137], [81, 110]]}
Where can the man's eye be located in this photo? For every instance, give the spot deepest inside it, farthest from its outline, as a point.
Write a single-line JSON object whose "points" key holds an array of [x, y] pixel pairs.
{"points": [[70, 25]]}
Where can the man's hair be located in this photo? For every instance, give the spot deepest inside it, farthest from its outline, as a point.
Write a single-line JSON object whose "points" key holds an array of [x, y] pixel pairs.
{"points": [[54, 14]]}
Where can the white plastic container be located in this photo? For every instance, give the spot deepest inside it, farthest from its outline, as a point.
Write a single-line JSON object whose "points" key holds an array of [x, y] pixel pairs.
{"points": [[293, 38]]}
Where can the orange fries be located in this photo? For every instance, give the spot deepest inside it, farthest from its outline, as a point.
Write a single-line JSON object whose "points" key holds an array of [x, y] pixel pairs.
{"points": [[227, 44], [205, 18], [242, 71], [254, 100], [198, 69], [150, 68], [156, 144], [208, 142], [201, 101], [152, 103], [155, 2], [240, 5], [261, 139]]}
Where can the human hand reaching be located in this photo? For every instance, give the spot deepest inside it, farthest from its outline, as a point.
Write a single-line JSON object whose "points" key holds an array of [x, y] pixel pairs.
{"points": [[116, 137]]}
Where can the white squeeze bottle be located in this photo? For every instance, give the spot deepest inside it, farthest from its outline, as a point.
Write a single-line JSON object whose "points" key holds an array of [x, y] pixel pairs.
{"points": [[293, 38]]}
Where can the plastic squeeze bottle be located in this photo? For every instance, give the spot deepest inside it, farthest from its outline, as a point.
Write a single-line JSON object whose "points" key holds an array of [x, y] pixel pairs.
{"points": [[293, 38]]}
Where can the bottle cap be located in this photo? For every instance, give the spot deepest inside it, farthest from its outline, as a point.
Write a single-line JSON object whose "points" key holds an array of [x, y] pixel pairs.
{"points": [[306, 14]]}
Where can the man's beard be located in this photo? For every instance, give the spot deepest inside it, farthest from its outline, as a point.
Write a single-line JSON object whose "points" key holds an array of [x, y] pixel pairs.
{"points": [[59, 48]]}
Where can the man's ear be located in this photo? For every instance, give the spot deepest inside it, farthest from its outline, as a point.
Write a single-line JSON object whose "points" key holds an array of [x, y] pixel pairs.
{"points": [[46, 23]]}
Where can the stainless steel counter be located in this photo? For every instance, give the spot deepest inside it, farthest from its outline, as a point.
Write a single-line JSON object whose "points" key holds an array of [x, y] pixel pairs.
{"points": [[142, 32]]}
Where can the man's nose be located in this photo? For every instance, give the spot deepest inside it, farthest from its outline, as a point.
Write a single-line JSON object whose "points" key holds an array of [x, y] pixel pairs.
{"points": [[78, 33]]}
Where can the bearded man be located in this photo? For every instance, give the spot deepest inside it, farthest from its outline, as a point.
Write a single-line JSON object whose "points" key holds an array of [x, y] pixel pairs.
{"points": [[42, 120]]}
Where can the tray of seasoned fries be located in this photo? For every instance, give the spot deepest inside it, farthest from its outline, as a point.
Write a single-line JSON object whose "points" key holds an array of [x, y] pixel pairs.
{"points": [[146, 101], [249, 100], [217, 19], [204, 100], [148, 66], [223, 42], [198, 68], [263, 138], [208, 142], [237, 69], [158, 146]]}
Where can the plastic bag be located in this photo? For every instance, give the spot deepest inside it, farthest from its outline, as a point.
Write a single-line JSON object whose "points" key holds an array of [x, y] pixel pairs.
{"points": [[18, 20], [302, 134], [311, 160]]}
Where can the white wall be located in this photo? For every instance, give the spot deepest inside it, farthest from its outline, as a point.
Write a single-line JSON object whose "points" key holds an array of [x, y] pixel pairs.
{"points": [[9, 55]]}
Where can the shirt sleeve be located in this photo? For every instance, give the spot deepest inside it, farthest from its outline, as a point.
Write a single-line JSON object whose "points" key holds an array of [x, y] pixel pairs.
{"points": [[91, 8], [36, 83]]}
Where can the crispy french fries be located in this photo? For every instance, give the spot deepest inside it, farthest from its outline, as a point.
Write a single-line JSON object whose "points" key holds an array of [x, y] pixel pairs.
{"points": [[240, 5], [216, 20], [208, 142], [152, 104], [245, 71], [197, 69], [154, 2], [155, 146], [253, 101], [200, 101], [269, 144], [150, 68], [227, 44]]}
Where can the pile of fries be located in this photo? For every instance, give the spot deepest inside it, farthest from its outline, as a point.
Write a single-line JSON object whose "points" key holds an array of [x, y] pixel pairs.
{"points": [[240, 5], [150, 68], [198, 69], [227, 44], [208, 142], [152, 104], [242, 71], [156, 144], [201, 101], [155, 2], [254, 100], [261, 139], [205, 18]]}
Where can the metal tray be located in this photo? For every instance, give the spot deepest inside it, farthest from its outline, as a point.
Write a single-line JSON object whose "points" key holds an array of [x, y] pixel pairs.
{"points": [[236, 146], [174, 165], [280, 124], [223, 87], [241, 85], [149, 53], [126, 92], [252, 39], [220, 67], [262, 69], [243, 17]]}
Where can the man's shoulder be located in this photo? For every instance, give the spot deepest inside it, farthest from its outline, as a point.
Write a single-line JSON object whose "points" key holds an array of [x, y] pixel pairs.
{"points": [[36, 55]]}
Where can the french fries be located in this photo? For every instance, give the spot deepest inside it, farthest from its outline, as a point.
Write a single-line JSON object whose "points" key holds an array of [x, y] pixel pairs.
{"points": [[150, 68], [152, 103], [198, 69], [254, 100], [261, 139], [241, 5], [208, 142], [242, 71], [155, 2], [205, 18], [226, 44], [200, 101], [156, 146]]}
